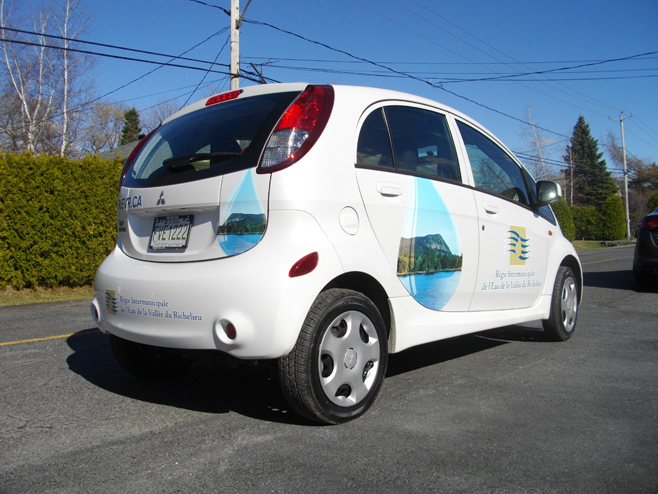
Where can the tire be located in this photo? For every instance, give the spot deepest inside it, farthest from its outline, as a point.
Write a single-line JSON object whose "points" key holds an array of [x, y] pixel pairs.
{"points": [[336, 369], [146, 361], [561, 322], [642, 280]]}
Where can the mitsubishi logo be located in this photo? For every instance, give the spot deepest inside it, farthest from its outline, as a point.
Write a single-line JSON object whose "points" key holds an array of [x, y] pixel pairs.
{"points": [[161, 201]]}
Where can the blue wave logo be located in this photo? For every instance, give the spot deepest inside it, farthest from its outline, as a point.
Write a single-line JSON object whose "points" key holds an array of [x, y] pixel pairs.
{"points": [[111, 303], [518, 246]]}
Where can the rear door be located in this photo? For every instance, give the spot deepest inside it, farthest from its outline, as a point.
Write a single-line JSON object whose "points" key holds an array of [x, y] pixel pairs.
{"points": [[423, 217]]}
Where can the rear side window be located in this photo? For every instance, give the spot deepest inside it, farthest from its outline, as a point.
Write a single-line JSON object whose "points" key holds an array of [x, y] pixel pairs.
{"points": [[493, 169], [374, 146], [422, 143], [215, 140]]}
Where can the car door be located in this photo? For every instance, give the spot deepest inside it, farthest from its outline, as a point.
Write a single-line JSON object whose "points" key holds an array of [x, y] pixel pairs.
{"points": [[513, 237], [423, 216]]}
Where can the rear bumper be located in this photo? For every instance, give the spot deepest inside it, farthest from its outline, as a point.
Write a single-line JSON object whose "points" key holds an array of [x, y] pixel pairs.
{"points": [[188, 305], [646, 266], [645, 262]]}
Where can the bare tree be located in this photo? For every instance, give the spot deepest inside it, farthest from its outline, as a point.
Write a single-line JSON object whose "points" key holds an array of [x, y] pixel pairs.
{"points": [[154, 116], [103, 129], [28, 76], [75, 88], [47, 81], [537, 143]]}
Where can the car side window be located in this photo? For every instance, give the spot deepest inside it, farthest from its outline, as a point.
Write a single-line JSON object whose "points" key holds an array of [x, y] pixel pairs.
{"points": [[493, 169], [544, 211], [374, 148], [422, 142]]}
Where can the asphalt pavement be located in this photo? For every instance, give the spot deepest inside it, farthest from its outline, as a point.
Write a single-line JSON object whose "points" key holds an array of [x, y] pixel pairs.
{"points": [[503, 411]]}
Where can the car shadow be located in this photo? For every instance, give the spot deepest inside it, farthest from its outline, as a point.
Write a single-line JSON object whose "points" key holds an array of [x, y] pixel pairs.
{"points": [[620, 280], [215, 388], [251, 390], [442, 351]]}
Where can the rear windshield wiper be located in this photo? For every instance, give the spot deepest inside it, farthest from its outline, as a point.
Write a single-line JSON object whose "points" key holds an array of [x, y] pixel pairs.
{"points": [[180, 161]]}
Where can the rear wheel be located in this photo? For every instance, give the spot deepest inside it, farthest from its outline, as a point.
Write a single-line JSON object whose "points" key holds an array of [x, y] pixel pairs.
{"points": [[336, 369], [561, 323], [146, 361]]}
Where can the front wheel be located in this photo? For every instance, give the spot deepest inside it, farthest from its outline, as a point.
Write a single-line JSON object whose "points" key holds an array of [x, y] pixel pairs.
{"points": [[561, 322], [336, 369]]}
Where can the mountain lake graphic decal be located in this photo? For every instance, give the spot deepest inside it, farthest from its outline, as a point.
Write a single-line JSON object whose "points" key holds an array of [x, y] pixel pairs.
{"points": [[244, 219], [430, 256]]}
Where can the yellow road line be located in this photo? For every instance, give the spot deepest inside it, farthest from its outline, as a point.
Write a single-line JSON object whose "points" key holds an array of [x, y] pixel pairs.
{"points": [[44, 339], [604, 260]]}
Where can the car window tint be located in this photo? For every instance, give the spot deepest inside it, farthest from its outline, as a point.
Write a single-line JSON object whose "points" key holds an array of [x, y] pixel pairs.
{"points": [[422, 142], [493, 169], [374, 146]]}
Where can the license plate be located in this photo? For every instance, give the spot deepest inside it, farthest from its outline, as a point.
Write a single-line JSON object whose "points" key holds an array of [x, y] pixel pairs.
{"points": [[171, 232]]}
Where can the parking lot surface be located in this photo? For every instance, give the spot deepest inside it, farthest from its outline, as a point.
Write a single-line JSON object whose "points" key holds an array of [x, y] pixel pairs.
{"points": [[499, 411]]}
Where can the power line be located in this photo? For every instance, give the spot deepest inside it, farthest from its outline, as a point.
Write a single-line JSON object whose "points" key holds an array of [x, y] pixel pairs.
{"points": [[426, 38], [406, 74], [393, 62], [117, 47], [432, 76], [376, 64], [206, 74], [108, 55], [592, 100]]}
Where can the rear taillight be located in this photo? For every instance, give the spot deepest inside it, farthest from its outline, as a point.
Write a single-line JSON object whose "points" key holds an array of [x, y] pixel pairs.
{"points": [[649, 223], [134, 153], [298, 129]]}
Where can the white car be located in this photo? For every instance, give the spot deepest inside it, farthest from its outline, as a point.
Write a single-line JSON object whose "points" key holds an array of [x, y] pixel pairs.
{"points": [[326, 227]]}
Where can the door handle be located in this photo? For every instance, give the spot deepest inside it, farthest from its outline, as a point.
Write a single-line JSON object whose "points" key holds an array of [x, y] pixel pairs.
{"points": [[388, 189], [490, 208]]}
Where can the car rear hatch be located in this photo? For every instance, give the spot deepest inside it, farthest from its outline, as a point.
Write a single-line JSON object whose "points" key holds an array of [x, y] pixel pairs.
{"points": [[191, 192]]}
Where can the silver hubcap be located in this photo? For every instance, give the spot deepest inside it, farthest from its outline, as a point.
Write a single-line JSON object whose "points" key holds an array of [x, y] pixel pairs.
{"points": [[349, 358], [569, 304]]}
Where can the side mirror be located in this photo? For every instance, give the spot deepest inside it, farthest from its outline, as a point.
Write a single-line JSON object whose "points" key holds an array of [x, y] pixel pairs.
{"points": [[548, 192]]}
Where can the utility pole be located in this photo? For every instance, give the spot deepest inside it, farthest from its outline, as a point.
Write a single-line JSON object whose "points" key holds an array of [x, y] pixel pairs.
{"points": [[623, 147], [236, 22], [235, 45]]}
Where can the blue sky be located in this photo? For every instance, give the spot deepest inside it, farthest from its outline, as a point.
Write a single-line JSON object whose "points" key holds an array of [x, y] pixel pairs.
{"points": [[468, 41]]}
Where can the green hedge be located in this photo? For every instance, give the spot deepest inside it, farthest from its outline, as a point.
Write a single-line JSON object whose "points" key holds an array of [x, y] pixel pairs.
{"points": [[613, 226], [57, 219], [588, 221], [606, 223], [565, 219]]}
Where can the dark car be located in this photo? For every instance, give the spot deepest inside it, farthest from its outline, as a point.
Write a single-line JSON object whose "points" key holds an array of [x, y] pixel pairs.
{"points": [[645, 262]]}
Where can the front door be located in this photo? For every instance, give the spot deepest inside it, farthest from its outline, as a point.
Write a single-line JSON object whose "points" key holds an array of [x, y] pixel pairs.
{"points": [[513, 237]]}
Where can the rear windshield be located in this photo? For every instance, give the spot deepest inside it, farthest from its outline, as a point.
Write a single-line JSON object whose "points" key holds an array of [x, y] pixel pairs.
{"points": [[212, 141]]}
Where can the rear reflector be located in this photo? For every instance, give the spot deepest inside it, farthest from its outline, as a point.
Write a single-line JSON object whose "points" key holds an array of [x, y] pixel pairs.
{"points": [[220, 98], [304, 266], [298, 129], [230, 331]]}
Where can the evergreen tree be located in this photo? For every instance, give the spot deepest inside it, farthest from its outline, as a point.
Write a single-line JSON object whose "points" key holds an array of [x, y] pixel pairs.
{"points": [[591, 182], [131, 128]]}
